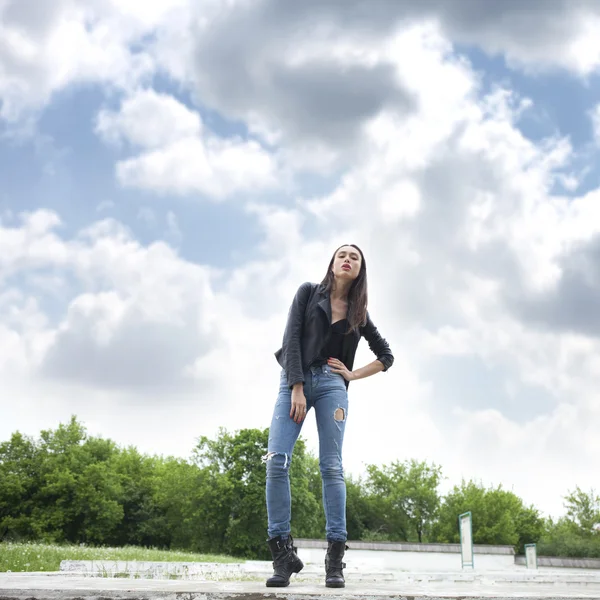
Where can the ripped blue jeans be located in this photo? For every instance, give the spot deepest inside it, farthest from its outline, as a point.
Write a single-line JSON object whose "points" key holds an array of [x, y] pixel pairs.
{"points": [[326, 393]]}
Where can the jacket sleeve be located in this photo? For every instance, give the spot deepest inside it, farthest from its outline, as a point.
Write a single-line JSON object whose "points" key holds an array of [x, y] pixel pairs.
{"points": [[292, 337], [378, 344]]}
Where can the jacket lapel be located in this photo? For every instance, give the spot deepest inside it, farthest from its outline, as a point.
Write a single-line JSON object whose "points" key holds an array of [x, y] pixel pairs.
{"points": [[325, 304]]}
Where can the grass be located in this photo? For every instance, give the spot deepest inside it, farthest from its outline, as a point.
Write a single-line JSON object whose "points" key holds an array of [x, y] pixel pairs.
{"points": [[20, 557]]}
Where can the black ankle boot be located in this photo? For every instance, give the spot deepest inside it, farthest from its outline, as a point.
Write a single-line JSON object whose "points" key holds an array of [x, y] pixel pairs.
{"points": [[285, 561], [334, 575]]}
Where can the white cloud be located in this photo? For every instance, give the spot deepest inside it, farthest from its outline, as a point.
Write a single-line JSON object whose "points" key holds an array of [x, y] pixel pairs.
{"points": [[283, 61], [216, 169], [149, 120], [22, 327], [31, 245], [549, 34], [288, 79], [178, 154], [133, 304], [43, 50], [143, 335]]}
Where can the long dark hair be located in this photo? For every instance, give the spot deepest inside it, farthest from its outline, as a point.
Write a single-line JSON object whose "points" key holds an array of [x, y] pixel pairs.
{"points": [[357, 296]]}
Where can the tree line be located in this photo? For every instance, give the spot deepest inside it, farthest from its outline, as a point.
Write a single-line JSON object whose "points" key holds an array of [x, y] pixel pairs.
{"points": [[70, 487]]}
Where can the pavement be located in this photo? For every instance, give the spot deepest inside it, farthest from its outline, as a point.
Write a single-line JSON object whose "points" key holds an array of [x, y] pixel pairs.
{"points": [[246, 581]]}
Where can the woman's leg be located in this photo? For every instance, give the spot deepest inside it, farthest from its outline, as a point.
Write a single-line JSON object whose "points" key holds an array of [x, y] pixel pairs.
{"points": [[283, 433], [331, 409], [330, 400]]}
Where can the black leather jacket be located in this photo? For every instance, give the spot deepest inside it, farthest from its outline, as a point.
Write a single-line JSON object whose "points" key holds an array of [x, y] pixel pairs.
{"points": [[308, 329]]}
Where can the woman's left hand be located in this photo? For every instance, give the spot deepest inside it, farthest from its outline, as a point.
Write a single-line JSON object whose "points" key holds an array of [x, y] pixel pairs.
{"points": [[337, 366]]}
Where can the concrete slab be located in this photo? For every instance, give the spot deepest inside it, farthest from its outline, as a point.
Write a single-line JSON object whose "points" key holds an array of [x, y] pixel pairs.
{"points": [[55, 586], [258, 570]]}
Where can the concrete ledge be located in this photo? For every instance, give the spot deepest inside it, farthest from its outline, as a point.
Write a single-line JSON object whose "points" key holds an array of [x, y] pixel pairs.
{"points": [[304, 593], [282, 594], [409, 547], [312, 573], [563, 562], [29, 586]]}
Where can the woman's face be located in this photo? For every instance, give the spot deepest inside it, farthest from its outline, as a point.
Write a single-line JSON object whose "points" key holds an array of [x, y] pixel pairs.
{"points": [[346, 263]]}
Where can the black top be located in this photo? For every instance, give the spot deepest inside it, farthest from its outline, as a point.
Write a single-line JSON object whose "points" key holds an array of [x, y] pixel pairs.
{"points": [[334, 348]]}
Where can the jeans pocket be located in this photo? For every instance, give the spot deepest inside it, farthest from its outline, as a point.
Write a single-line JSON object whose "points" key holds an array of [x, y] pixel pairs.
{"points": [[335, 380]]}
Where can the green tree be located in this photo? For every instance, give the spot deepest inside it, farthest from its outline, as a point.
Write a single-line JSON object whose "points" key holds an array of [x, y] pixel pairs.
{"points": [[530, 527], [565, 538], [194, 505], [20, 462], [309, 464], [62, 488], [144, 520], [79, 495], [499, 516], [404, 499], [357, 509], [583, 509], [574, 534], [308, 519], [239, 457]]}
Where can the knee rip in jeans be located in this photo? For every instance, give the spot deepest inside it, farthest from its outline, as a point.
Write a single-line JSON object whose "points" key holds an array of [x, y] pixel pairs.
{"points": [[339, 414], [269, 456]]}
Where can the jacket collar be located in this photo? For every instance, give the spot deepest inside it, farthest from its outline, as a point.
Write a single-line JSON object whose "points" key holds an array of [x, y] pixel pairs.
{"points": [[325, 301]]}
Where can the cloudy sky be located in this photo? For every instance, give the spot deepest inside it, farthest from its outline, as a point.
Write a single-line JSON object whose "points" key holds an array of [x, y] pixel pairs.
{"points": [[171, 171]]}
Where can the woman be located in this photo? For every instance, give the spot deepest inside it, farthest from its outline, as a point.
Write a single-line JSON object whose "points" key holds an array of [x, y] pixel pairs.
{"points": [[325, 324]]}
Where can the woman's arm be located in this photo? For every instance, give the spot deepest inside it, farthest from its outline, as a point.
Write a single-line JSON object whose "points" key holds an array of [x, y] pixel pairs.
{"points": [[374, 367], [378, 345], [337, 366], [292, 343]]}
